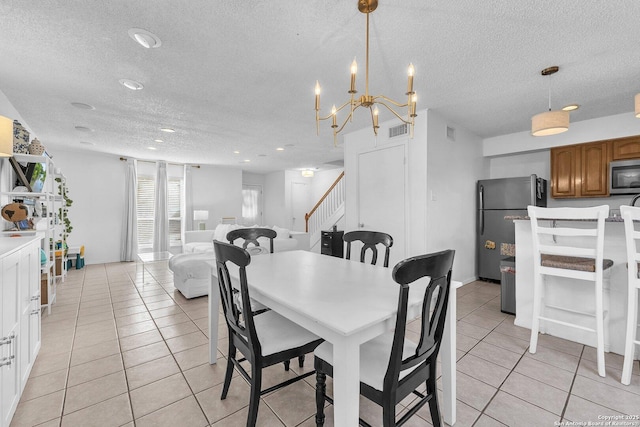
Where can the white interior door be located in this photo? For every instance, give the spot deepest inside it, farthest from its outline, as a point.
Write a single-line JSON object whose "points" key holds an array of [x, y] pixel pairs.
{"points": [[300, 204], [382, 196]]}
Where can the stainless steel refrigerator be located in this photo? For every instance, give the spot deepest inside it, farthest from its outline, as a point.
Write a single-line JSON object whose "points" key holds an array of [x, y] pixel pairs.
{"points": [[495, 199]]}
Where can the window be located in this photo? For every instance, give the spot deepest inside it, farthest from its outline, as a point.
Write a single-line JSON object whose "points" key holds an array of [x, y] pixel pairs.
{"points": [[251, 204], [146, 211], [145, 207], [174, 196]]}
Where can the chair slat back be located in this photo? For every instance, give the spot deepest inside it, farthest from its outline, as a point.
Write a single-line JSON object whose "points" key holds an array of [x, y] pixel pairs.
{"points": [[631, 217], [239, 322], [251, 235], [573, 240], [437, 267], [369, 240]]}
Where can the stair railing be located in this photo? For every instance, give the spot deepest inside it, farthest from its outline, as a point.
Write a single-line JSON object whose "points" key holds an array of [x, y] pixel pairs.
{"points": [[332, 199]]}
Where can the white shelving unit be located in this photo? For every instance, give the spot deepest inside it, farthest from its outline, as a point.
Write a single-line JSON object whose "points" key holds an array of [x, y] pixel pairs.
{"points": [[49, 226]]}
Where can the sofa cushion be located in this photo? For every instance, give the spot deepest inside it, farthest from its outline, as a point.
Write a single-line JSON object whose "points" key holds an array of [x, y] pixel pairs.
{"points": [[283, 233]]}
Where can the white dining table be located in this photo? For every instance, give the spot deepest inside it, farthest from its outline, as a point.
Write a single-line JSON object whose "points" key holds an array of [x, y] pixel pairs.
{"points": [[346, 303]]}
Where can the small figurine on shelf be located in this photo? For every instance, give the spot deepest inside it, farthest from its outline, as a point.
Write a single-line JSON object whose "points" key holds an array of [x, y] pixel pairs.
{"points": [[36, 148]]}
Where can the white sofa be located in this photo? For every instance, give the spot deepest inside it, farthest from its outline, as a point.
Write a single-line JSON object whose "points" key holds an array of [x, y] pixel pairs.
{"points": [[192, 269]]}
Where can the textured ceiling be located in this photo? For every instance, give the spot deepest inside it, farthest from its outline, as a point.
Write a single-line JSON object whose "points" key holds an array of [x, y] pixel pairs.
{"points": [[239, 75]]}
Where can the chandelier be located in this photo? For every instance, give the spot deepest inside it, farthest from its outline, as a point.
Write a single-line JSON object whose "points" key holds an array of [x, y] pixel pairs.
{"points": [[368, 101]]}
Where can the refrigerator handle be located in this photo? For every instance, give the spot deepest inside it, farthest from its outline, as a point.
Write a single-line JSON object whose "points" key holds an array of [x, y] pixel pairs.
{"points": [[534, 190], [481, 208]]}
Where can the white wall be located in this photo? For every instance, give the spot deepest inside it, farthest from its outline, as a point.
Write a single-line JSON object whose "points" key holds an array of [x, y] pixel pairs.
{"points": [[96, 185], [505, 161], [218, 190], [452, 172], [448, 169], [616, 126], [274, 206]]}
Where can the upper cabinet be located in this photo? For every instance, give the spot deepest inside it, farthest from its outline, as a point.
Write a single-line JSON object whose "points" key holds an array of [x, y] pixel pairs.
{"points": [[594, 164], [626, 148], [565, 164], [582, 170]]}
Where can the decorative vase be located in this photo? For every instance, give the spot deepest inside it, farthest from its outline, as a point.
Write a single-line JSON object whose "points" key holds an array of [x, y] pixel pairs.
{"points": [[36, 148], [20, 139]]}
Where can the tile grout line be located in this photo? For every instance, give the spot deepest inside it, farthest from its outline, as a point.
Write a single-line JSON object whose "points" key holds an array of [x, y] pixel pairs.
{"points": [[169, 348]]}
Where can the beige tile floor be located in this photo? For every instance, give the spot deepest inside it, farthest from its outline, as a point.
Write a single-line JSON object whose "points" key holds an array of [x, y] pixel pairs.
{"points": [[119, 352]]}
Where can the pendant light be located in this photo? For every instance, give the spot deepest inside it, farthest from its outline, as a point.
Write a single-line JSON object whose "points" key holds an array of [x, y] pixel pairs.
{"points": [[550, 122]]}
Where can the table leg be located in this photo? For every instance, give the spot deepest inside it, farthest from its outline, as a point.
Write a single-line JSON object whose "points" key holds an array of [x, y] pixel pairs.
{"points": [[214, 302], [346, 382], [448, 359]]}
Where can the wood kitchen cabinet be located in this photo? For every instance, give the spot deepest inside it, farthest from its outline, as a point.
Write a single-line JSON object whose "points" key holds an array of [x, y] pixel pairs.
{"points": [[625, 148], [580, 170], [594, 169], [565, 162]]}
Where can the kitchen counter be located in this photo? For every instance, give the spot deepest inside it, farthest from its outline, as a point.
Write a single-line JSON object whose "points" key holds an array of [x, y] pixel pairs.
{"points": [[12, 244], [574, 293], [526, 218]]}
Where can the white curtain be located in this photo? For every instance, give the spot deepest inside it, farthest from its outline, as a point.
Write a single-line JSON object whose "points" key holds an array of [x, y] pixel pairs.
{"points": [[129, 241], [161, 223], [187, 208]]}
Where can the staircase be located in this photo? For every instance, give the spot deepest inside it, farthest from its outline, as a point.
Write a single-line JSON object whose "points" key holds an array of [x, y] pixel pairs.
{"points": [[327, 212]]}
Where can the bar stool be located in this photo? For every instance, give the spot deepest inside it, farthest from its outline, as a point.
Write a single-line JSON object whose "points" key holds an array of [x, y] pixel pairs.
{"points": [[569, 251], [631, 214]]}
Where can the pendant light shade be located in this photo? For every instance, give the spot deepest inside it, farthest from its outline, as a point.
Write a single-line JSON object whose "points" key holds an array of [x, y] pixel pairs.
{"points": [[553, 121], [6, 137], [638, 105], [550, 123]]}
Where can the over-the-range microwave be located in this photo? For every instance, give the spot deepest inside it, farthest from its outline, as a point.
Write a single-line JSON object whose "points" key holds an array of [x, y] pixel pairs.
{"points": [[624, 177]]}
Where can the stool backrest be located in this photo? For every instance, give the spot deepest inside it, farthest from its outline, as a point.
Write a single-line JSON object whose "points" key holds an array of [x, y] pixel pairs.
{"points": [[569, 232], [631, 217]]}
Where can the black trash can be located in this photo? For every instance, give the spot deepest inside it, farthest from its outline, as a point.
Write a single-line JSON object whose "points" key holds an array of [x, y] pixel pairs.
{"points": [[508, 285]]}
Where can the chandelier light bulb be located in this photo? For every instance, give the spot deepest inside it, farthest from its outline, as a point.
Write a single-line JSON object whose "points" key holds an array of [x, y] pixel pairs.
{"points": [[376, 112], [354, 70], [334, 115]]}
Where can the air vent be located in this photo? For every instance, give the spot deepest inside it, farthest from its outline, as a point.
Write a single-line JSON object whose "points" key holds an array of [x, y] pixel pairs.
{"points": [[451, 133], [402, 129]]}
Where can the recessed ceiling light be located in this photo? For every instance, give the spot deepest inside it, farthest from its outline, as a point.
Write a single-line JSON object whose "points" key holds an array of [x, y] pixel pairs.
{"points": [[152, 148], [236, 152], [83, 129], [167, 130], [83, 106], [87, 143], [280, 149], [262, 155], [131, 84], [570, 107], [144, 38], [158, 140], [246, 160]]}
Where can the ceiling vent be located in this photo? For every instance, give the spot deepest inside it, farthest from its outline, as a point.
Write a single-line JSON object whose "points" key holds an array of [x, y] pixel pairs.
{"points": [[451, 133], [402, 129]]}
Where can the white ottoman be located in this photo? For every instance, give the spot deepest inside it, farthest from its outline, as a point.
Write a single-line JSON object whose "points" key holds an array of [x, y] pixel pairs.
{"points": [[192, 273]]}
